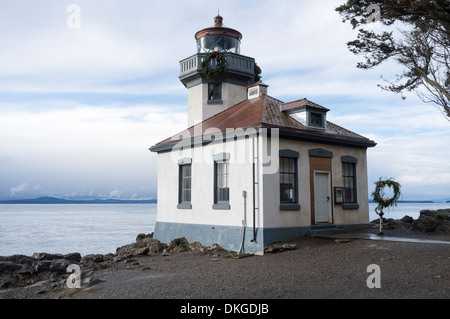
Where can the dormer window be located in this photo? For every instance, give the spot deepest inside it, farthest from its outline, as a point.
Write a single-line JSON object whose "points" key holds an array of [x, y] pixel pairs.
{"points": [[306, 112], [316, 119]]}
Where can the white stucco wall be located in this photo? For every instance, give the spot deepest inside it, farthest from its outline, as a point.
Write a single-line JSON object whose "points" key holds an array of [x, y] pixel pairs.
{"points": [[274, 217], [202, 198], [198, 107], [241, 179]]}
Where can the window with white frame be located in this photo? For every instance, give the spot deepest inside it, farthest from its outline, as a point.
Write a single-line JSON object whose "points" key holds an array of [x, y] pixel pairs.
{"points": [[221, 181], [288, 177], [349, 183], [184, 183], [288, 174]]}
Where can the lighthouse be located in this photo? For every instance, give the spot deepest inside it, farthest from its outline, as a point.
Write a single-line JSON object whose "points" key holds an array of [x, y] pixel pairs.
{"points": [[219, 183], [218, 75]]}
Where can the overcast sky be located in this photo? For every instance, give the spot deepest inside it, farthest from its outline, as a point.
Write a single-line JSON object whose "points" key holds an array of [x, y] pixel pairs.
{"points": [[79, 107]]}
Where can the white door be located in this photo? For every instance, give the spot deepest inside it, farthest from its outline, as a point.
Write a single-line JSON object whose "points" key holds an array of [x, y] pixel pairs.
{"points": [[322, 197]]}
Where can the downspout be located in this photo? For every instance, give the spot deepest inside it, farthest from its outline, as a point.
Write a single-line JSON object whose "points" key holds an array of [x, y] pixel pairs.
{"points": [[255, 182], [244, 222], [254, 205]]}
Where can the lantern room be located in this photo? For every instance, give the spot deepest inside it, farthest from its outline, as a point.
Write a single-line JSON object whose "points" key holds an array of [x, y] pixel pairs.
{"points": [[218, 38]]}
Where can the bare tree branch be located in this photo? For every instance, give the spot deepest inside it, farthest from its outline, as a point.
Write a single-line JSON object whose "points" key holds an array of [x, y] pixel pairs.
{"points": [[422, 46]]}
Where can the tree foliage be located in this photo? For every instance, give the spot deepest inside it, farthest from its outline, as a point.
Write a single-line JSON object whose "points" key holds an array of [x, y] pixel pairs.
{"points": [[417, 37]]}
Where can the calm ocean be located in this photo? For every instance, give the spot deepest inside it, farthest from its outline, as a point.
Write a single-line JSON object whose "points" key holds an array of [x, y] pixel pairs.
{"points": [[101, 228], [65, 228], [402, 209]]}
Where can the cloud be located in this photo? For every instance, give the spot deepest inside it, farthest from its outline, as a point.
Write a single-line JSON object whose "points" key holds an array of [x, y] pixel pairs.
{"points": [[78, 146], [412, 142], [19, 188], [115, 193], [80, 107]]}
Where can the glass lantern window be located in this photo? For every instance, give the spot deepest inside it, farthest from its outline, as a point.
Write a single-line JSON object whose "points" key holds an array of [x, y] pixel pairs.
{"points": [[220, 43]]}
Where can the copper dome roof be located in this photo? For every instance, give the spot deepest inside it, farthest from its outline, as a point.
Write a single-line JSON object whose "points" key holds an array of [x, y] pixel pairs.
{"points": [[218, 29]]}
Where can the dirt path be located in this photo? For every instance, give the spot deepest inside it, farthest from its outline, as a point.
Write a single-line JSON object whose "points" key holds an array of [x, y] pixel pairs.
{"points": [[319, 268]]}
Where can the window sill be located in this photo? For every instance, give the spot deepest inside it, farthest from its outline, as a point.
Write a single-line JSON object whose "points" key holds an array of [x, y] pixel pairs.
{"points": [[290, 206], [184, 205], [221, 206], [350, 206], [215, 102]]}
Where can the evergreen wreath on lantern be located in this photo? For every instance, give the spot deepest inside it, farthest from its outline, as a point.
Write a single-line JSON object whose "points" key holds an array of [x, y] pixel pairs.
{"points": [[257, 73], [378, 197], [221, 65]]}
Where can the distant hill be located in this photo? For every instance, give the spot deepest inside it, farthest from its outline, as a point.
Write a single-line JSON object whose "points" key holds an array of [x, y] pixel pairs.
{"points": [[54, 200], [410, 201]]}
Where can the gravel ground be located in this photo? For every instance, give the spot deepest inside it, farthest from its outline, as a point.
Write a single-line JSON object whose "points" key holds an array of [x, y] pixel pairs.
{"points": [[318, 268]]}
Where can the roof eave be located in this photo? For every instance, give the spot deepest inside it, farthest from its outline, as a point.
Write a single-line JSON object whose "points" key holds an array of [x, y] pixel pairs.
{"points": [[322, 137], [316, 136], [168, 146]]}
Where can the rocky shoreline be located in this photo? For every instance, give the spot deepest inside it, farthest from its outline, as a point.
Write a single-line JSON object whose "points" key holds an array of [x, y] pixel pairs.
{"points": [[430, 222], [44, 274], [49, 271]]}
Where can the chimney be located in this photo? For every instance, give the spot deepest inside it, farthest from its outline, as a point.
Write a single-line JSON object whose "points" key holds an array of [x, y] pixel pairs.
{"points": [[256, 90]]}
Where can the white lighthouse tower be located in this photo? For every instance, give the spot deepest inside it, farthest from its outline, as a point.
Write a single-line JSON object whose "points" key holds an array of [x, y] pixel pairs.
{"points": [[217, 76]]}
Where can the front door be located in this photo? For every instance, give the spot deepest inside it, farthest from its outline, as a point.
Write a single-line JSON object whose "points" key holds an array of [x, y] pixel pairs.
{"points": [[322, 197]]}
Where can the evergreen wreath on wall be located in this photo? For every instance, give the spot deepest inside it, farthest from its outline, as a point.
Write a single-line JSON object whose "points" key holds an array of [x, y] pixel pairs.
{"points": [[221, 65]]}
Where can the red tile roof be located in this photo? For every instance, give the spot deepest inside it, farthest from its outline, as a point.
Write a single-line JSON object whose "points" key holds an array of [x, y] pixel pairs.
{"points": [[301, 103], [266, 111]]}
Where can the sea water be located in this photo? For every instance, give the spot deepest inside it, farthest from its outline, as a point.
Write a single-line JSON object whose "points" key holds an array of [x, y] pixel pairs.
{"points": [[65, 228], [101, 228], [402, 209]]}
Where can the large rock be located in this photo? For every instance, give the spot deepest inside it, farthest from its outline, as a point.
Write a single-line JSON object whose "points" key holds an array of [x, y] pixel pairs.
{"points": [[46, 256], [130, 251], [42, 265], [59, 266], [144, 245], [96, 261], [73, 257], [196, 246], [278, 247], [18, 259], [154, 245], [26, 270], [143, 236], [16, 264], [407, 219], [8, 267], [437, 221], [393, 224], [425, 224], [6, 282], [178, 245], [215, 250]]}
